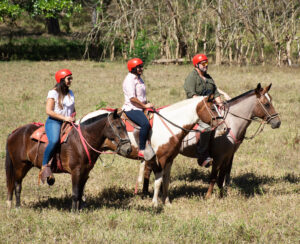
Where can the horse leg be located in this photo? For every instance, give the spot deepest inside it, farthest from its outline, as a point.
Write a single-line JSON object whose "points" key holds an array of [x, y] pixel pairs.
{"points": [[15, 172], [220, 181], [212, 181], [147, 173], [78, 183], [228, 170], [157, 184], [166, 182], [140, 176]]}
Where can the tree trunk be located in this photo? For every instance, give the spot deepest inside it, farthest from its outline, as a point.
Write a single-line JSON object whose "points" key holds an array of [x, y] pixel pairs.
{"points": [[53, 26], [218, 41], [288, 52]]}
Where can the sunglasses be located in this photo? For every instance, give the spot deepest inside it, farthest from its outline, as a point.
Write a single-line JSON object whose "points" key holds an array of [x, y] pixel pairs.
{"points": [[69, 78], [204, 64], [139, 66]]}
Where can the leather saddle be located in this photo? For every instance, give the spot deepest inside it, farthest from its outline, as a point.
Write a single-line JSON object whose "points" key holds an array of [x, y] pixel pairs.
{"points": [[40, 136], [40, 133], [130, 125]]}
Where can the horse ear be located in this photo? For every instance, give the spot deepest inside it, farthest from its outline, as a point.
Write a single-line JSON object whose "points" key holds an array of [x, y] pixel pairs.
{"points": [[258, 89], [115, 115], [211, 97], [268, 87]]}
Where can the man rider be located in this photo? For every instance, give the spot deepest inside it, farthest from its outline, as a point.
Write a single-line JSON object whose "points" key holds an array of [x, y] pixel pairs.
{"points": [[199, 83]]}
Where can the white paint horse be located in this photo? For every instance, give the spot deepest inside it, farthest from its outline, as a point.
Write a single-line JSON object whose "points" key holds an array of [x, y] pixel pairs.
{"points": [[166, 136], [239, 113]]}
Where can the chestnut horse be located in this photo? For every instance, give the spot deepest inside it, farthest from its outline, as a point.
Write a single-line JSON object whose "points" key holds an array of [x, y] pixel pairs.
{"points": [[239, 113], [169, 128], [23, 153]]}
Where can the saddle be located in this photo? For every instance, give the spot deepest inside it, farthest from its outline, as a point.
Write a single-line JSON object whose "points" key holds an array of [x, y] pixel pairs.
{"points": [[40, 136], [130, 125], [40, 133]]}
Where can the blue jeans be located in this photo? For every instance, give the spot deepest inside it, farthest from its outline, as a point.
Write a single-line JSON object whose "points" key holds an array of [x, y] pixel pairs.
{"points": [[140, 119], [52, 128]]}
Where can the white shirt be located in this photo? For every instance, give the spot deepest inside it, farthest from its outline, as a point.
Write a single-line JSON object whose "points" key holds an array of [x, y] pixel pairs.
{"points": [[133, 86], [68, 103]]}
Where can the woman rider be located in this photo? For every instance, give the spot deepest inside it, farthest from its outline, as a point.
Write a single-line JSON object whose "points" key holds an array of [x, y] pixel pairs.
{"points": [[135, 100], [60, 106]]}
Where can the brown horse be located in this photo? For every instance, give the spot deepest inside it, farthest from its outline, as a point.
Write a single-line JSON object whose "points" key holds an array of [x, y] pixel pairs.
{"points": [[23, 153], [169, 128], [239, 113]]}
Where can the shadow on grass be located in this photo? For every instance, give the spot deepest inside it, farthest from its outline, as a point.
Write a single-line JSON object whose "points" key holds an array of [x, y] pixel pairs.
{"points": [[194, 175], [112, 197], [249, 184], [187, 191]]}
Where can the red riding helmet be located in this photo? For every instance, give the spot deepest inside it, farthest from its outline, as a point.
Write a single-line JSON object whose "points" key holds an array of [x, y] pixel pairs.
{"points": [[132, 63], [61, 74], [199, 58]]}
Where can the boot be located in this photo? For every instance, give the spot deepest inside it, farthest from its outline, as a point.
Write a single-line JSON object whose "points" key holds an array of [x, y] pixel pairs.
{"points": [[46, 174], [203, 150]]}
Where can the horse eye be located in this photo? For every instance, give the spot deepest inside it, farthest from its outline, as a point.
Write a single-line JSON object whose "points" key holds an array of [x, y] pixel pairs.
{"points": [[267, 105]]}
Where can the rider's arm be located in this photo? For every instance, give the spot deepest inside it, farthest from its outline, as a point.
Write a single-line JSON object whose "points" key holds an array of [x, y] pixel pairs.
{"points": [[50, 111], [136, 102], [226, 96], [190, 86]]}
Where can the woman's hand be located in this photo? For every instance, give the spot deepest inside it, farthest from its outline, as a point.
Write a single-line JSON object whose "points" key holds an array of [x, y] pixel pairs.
{"points": [[69, 119], [149, 105]]}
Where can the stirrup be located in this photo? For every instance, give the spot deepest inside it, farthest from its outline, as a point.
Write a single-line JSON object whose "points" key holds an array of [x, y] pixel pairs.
{"points": [[46, 174]]}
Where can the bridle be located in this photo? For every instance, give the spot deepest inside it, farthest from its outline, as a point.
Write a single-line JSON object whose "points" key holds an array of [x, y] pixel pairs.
{"points": [[261, 126], [213, 117], [121, 140], [85, 143]]}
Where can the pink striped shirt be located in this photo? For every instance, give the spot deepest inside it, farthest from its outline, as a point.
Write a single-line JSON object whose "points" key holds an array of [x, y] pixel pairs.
{"points": [[133, 86]]}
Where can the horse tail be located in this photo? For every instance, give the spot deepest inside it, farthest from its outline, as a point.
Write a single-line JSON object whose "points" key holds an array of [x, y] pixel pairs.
{"points": [[9, 168]]}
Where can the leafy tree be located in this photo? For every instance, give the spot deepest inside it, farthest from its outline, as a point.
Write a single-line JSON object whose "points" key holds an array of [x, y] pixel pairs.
{"points": [[51, 10], [9, 11]]}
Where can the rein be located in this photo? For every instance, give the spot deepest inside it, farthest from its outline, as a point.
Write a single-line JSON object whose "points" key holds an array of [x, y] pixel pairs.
{"points": [[85, 143], [184, 129], [260, 128]]}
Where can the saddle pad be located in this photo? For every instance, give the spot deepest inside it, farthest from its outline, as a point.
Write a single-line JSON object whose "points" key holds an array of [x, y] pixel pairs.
{"points": [[40, 134], [130, 125]]}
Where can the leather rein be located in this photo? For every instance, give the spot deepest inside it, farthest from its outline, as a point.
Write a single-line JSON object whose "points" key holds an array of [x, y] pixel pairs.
{"points": [[86, 144], [163, 119], [260, 128]]}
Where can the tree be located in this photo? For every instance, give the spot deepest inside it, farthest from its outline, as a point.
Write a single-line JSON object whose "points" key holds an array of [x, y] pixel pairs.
{"points": [[51, 10]]}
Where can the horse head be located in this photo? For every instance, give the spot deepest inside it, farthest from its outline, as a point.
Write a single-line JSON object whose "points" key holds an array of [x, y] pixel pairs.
{"points": [[117, 133], [207, 112], [264, 108]]}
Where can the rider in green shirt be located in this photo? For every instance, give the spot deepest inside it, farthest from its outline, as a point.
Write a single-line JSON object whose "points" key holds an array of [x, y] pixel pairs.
{"points": [[199, 83]]}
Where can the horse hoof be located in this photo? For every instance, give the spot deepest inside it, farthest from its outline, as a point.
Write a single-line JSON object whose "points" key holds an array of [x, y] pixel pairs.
{"points": [[9, 204], [168, 204], [50, 180], [155, 204]]}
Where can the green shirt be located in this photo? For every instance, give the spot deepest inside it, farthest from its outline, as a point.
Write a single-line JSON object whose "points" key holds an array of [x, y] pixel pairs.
{"points": [[195, 85]]}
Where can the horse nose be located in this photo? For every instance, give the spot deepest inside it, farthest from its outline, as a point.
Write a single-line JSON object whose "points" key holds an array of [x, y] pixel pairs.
{"points": [[129, 150], [276, 125]]}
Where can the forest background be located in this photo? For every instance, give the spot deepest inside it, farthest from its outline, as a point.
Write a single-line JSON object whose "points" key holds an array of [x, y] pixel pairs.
{"points": [[234, 32]]}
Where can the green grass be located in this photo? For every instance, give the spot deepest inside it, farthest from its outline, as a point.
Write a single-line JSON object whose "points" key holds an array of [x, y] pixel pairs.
{"points": [[262, 204]]}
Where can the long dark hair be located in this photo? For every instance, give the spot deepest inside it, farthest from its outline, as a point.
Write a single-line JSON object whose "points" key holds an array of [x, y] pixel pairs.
{"points": [[62, 90]]}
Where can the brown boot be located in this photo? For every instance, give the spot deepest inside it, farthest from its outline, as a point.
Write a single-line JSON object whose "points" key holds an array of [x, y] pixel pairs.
{"points": [[46, 174]]}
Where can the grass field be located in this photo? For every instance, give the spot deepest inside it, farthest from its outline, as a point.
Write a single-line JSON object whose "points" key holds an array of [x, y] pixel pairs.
{"points": [[263, 201]]}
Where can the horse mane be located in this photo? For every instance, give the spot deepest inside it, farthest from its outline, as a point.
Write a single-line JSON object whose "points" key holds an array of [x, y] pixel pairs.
{"points": [[94, 119], [180, 104], [237, 98]]}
